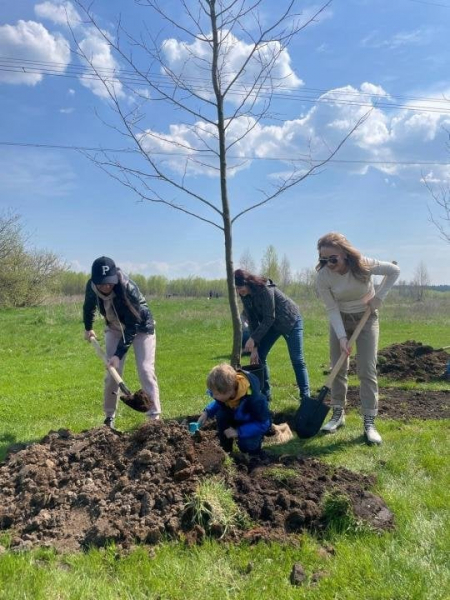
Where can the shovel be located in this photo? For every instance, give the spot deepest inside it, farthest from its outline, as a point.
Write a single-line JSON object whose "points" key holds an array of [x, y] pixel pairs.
{"points": [[421, 350], [113, 372], [311, 414], [139, 401]]}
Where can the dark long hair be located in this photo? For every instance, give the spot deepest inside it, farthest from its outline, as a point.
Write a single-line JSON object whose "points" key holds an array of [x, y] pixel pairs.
{"points": [[249, 278]]}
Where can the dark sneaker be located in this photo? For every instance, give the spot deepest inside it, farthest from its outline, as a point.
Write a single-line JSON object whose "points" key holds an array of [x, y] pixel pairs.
{"points": [[109, 422]]}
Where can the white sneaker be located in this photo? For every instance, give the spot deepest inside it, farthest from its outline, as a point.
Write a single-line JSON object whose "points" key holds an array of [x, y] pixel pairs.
{"points": [[336, 421], [372, 435], [153, 417]]}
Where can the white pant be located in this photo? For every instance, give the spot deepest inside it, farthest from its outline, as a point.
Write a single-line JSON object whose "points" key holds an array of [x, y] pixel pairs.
{"points": [[144, 345]]}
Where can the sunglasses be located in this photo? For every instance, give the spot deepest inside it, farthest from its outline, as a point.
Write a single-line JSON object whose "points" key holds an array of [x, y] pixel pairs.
{"points": [[333, 260]]}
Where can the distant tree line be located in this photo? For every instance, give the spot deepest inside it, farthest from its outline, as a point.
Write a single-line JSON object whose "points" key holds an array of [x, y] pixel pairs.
{"points": [[299, 285], [28, 276]]}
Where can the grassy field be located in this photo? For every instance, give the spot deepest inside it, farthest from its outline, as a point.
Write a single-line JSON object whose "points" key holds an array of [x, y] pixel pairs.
{"points": [[51, 378]]}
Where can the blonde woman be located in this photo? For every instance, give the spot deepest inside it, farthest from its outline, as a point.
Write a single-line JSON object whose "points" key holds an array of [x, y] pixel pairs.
{"points": [[345, 284]]}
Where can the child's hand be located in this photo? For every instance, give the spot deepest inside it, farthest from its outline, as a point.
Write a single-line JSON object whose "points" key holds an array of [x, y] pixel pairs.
{"points": [[202, 419], [230, 433]]}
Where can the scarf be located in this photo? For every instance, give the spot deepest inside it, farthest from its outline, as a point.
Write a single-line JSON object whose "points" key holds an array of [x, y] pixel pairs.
{"points": [[243, 386], [111, 315]]}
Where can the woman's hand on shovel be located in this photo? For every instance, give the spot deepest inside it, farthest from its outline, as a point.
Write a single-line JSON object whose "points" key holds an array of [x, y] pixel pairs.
{"points": [[88, 334], [375, 304], [343, 342]]}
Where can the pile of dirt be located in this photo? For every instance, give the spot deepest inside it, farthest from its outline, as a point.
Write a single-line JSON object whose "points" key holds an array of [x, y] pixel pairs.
{"points": [[410, 360], [74, 491]]}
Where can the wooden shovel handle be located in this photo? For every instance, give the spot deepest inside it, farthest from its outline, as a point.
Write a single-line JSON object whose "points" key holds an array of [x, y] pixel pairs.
{"points": [[114, 373], [343, 357]]}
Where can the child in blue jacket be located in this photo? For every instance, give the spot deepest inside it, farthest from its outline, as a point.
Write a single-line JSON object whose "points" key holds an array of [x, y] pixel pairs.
{"points": [[240, 408]]}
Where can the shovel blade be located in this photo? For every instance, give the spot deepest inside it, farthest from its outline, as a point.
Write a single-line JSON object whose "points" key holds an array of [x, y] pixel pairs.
{"points": [[310, 416]]}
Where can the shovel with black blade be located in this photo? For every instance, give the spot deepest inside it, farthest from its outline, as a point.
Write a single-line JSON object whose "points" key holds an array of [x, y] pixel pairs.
{"points": [[139, 401], [311, 414]]}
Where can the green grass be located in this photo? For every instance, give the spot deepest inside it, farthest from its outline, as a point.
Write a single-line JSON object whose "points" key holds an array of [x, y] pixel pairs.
{"points": [[51, 378], [213, 508]]}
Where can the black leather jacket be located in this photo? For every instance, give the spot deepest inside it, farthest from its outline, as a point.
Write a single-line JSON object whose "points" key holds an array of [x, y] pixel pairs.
{"points": [[130, 306], [267, 307]]}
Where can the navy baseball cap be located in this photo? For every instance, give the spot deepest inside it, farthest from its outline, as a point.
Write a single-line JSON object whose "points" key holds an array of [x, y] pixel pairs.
{"points": [[104, 271]]}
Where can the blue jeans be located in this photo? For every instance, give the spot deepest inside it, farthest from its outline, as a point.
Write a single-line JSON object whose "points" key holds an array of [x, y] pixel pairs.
{"points": [[245, 336], [294, 341]]}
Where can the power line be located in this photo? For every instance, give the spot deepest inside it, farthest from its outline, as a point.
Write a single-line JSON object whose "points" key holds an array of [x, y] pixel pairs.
{"points": [[112, 76], [259, 158], [291, 97], [115, 73], [430, 3]]}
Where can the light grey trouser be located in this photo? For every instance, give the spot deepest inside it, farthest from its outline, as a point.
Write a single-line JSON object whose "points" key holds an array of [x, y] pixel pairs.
{"points": [[366, 363], [144, 345]]}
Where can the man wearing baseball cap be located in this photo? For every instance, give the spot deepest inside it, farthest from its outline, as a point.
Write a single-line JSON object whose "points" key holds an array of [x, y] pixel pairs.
{"points": [[128, 322]]}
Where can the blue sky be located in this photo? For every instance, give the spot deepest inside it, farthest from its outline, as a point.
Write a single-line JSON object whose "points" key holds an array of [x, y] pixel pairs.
{"points": [[392, 56]]}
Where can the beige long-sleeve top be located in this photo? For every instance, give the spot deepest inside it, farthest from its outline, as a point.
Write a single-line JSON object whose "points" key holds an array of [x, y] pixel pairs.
{"points": [[346, 294]]}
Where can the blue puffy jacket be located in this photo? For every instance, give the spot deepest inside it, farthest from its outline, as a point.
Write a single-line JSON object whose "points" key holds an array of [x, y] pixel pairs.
{"points": [[252, 415]]}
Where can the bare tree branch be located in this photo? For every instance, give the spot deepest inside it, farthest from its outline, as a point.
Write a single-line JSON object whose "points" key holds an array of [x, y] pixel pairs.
{"points": [[441, 197], [296, 178]]}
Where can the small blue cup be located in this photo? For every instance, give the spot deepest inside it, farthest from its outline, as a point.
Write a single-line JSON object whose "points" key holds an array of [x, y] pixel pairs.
{"points": [[193, 427]]}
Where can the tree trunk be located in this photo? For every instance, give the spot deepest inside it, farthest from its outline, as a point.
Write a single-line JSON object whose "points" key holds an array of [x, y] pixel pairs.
{"points": [[235, 358]]}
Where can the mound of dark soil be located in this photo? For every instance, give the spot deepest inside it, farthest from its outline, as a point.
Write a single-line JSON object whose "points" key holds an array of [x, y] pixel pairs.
{"points": [[73, 491], [410, 360]]}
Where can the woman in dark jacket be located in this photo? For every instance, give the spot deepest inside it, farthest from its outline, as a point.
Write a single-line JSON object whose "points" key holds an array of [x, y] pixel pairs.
{"points": [[128, 322], [271, 314]]}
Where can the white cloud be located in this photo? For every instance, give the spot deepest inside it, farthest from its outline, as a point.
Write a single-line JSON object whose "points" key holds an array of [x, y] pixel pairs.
{"points": [[402, 38], [31, 40], [212, 269], [79, 267], [60, 12], [384, 138], [66, 111], [188, 60], [438, 176], [183, 151], [98, 53]]}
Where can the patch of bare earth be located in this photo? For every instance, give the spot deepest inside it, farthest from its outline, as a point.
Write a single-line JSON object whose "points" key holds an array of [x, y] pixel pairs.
{"points": [[74, 491], [395, 403]]}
